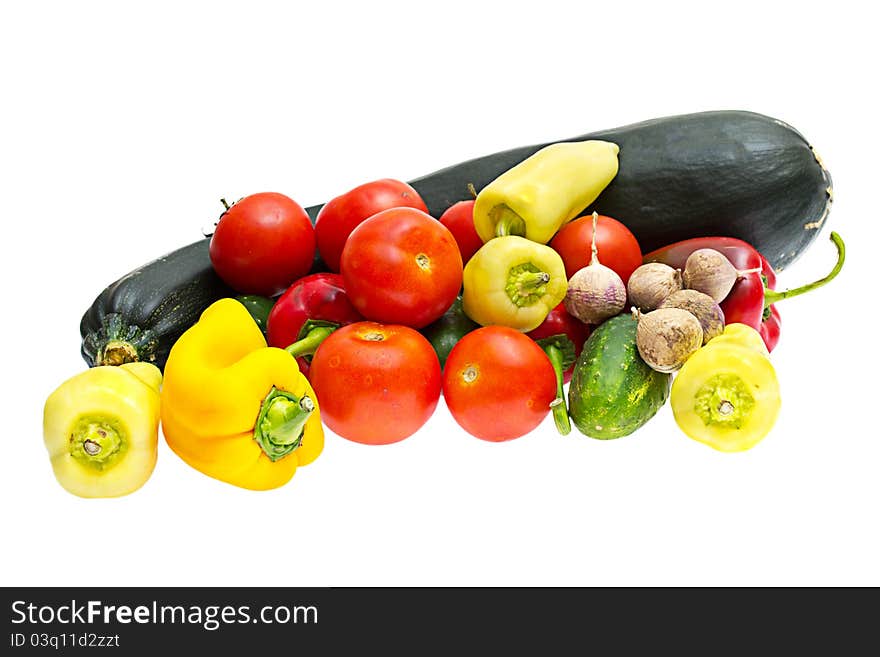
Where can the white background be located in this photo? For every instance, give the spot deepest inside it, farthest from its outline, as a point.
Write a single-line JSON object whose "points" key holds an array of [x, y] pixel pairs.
{"points": [[122, 125]]}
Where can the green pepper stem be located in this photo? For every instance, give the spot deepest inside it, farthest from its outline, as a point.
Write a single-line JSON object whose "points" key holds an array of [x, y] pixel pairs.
{"points": [[507, 222], [97, 442], [280, 426], [531, 280], [560, 410], [309, 344], [772, 296]]}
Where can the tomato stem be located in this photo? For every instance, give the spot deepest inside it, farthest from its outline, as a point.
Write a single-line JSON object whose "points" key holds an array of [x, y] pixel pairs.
{"points": [[772, 296]]}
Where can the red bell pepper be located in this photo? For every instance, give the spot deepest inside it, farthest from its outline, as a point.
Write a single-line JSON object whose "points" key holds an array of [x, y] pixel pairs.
{"points": [[306, 313], [751, 300]]}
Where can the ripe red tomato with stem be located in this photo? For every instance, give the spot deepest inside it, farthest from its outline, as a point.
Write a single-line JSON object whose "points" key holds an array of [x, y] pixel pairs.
{"points": [[459, 219], [342, 214], [618, 247], [401, 266], [262, 244], [376, 384], [498, 383]]}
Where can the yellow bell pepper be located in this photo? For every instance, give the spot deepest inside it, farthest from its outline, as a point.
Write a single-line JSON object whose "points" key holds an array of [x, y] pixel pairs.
{"points": [[727, 395], [535, 198], [101, 429], [513, 282], [235, 409], [743, 335]]}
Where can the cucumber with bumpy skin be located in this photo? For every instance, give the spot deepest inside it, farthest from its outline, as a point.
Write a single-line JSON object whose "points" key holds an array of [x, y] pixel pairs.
{"points": [[613, 392]]}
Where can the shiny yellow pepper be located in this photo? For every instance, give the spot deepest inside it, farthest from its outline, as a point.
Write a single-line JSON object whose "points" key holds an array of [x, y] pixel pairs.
{"points": [[235, 409], [537, 196], [726, 395], [513, 282]]}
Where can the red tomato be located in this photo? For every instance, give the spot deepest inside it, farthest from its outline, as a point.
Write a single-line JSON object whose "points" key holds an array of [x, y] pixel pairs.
{"points": [[343, 214], [375, 383], [559, 322], [262, 244], [459, 219], [617, 246], [401, 266], [498, 383]]}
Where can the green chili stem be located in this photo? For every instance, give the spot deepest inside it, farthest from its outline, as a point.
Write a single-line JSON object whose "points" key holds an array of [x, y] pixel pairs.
{"points": [[560, 410], [772, 296], [309, 344]]}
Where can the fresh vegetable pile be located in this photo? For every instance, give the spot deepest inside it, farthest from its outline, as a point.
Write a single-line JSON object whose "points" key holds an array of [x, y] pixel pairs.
{"points": [[592, 279]]}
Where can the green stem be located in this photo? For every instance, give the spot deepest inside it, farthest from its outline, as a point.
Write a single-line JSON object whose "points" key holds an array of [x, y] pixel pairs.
{"points": [[772, 296], [560, 410], [507, 222], [309, 344], [98, 442], [280, 426]]}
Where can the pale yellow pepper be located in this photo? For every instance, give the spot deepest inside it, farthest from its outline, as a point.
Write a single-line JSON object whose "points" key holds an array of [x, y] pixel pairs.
{"points": [[727, 395], [535, 198], [101, 428]]}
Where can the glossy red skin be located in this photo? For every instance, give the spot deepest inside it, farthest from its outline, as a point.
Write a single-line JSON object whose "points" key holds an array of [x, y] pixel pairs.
{"points": [[381, 271], [262, 244], [559, 322], [341, 215], [317, 296], [745, 302], [376, 391], [459, 219], [617, 246], [513, 389], [771, 325]]}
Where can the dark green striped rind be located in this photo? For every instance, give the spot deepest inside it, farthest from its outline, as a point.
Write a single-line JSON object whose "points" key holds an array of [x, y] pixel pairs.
{"points": [[613, 391]]}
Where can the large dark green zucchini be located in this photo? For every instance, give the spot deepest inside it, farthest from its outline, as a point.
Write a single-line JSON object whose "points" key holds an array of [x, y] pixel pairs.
{"points": [[730, 173], [140, 316], [714, 173]]}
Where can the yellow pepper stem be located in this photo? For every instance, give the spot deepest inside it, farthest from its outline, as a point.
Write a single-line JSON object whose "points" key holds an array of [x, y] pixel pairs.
{"points": [[526, 284], [507, 222], [97, 442], [281, 423]]}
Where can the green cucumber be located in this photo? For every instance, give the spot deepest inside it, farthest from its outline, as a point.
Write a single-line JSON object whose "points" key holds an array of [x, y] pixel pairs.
{"points": [[613, 391]]}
